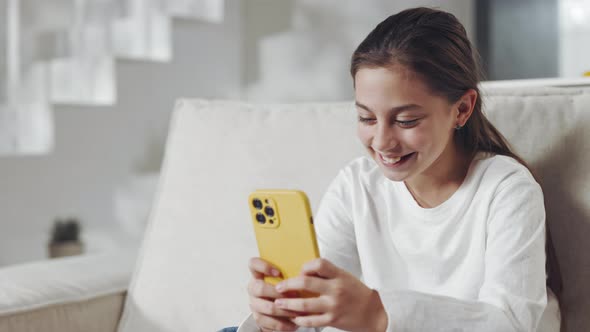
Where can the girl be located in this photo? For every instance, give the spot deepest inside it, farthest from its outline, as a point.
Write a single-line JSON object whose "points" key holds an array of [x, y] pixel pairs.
{"points": [[443, 222]]}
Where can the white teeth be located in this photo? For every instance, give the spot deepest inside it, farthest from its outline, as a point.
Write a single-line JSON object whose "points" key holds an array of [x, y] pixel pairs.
{"points": [[391, 160]]}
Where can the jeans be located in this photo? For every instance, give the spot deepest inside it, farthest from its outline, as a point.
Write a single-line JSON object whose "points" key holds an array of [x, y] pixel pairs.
{"points": [[229, 329]]}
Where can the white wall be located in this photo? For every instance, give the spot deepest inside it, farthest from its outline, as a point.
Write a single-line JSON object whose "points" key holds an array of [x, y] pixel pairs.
{"points": [[300, 50], [293, 51], [574, 40], [98, 148]]}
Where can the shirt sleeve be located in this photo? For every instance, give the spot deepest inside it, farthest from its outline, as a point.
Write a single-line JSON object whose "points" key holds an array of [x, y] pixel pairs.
{"points": [[513, 295]]}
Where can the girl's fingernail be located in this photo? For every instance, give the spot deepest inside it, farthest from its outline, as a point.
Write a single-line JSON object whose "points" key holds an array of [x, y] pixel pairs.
{"points": [[280, 287], [279, 303], [275, 272]]}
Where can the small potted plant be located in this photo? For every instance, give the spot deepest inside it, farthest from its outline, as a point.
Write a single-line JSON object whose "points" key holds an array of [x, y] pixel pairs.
{"points": [[65, 238]]}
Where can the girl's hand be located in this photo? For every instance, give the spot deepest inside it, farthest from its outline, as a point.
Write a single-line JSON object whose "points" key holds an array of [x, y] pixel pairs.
{"points": [[343, 302], [262, 295]]}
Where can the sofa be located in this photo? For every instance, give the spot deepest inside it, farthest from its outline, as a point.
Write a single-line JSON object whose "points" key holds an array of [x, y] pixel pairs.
{"points": [[191, 271]]}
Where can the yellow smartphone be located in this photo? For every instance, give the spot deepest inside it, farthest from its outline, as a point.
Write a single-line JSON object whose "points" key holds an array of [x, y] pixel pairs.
{"points": [[284, 230]]}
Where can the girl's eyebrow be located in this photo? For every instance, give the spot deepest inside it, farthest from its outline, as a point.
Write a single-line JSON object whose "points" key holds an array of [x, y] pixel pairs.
{"points": [[394, 109]]}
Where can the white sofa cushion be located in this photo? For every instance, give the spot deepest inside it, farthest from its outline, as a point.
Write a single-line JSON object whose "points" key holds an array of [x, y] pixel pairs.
{"points": [[40, 284], [550, 128], [192, 271], [66, 294]]}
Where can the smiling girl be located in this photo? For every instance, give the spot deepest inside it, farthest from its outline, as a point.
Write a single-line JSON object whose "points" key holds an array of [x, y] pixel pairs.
{"points": [[442, 226]]}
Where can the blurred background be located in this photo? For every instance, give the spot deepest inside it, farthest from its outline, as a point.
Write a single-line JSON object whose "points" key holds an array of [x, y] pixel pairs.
{"points": [[87, 88]]}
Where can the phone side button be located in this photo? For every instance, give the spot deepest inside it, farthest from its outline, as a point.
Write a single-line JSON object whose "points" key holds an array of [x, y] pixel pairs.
{"points": [[311, 220]]}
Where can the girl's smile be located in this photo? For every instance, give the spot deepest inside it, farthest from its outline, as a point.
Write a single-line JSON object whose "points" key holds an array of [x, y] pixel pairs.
{"points": [[396, 162]]}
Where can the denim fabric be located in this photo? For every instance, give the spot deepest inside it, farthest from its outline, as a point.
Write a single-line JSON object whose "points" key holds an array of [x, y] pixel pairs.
{"points": [[229, 329]]}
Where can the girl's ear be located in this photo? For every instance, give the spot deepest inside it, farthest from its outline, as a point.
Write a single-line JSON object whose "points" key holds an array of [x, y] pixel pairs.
{"points": [[465, 106]]}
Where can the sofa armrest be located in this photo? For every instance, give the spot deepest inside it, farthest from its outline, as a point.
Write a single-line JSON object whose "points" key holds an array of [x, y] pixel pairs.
{"points": [[81, 293]]}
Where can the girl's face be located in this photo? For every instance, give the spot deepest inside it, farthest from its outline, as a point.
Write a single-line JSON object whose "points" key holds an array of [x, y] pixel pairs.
{"points": [[405, 128]]}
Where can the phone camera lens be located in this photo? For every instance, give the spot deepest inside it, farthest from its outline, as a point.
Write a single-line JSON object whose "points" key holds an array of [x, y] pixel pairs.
{"points": [[269, 211], [257, 203], [260, 218]]}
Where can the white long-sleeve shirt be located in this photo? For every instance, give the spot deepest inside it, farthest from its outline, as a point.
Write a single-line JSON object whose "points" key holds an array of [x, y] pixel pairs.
{"points": [[474, 263]]}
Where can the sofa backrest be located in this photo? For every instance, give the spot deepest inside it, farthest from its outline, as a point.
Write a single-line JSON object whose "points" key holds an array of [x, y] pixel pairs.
{"points": [[550, 129], [192, 271]]}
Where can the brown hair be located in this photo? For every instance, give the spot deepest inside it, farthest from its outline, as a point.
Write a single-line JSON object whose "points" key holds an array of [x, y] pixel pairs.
{"points": [[433, 44]]}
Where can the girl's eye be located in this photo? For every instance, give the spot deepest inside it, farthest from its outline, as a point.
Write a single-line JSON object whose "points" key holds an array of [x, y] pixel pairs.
{"points": [[365, 120], [403, 124], [407, 124]]}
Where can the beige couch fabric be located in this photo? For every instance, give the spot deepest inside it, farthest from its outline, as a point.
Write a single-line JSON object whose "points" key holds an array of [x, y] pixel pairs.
{"points": [[99, 314], [79, 293], [550, 128], [192, 270]]}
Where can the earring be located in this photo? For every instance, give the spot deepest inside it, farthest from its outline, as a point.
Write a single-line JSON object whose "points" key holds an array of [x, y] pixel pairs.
{"points": [[457, 127]]}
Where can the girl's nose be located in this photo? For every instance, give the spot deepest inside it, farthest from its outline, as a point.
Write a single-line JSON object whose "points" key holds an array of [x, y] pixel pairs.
{"points": [[384, 138]]}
